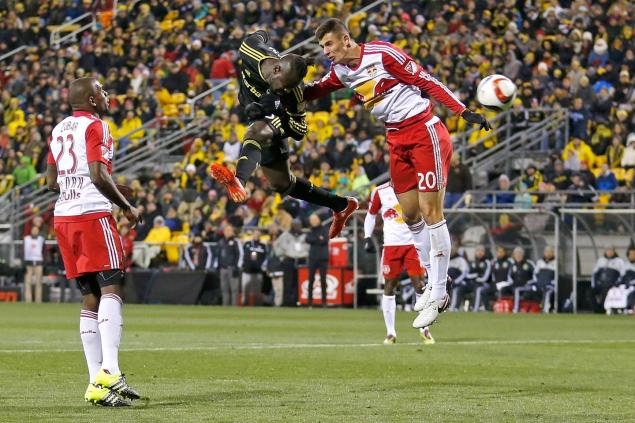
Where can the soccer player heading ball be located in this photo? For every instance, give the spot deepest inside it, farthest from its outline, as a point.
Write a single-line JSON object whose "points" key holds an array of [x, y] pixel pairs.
{"points": [[79, 169], [271, 92], [389, 84]]}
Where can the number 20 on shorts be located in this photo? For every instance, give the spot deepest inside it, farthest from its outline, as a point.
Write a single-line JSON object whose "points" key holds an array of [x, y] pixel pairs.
{"points": [[427, 181]]}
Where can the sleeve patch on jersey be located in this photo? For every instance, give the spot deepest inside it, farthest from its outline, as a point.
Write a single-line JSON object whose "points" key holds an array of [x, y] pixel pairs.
{"points": [[411, 67]]}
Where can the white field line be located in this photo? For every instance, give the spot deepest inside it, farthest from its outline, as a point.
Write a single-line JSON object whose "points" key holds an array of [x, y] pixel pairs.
{"points": [[363, 345]]}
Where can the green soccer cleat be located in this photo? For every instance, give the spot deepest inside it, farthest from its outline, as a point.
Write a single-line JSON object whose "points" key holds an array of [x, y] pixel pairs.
{"points": [[426, 336], [116, 383], [98, 395], [390, 339]]}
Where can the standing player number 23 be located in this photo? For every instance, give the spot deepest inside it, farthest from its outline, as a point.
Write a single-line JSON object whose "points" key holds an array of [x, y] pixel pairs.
{"points": [[73, 167]]}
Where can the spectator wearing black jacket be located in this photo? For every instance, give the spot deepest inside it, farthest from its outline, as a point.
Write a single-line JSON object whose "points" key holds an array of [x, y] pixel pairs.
{"points": [[197, 255], [230, 258], [254, 261], [522, 275], [318, 240], [459, 181], [275, 269], [501, 272], [480, 276], [607, 273], [545, 277]]}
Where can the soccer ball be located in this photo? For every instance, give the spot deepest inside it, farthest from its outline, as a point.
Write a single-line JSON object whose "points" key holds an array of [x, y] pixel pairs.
{"points": [[496, 92]]}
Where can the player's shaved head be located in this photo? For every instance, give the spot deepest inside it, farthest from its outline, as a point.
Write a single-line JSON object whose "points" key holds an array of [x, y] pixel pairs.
{"points": [[87, 94], [293, 70], [80, 91]]}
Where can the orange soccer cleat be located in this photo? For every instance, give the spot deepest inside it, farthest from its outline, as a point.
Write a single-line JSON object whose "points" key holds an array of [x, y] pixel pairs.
{"points": [[226, 177], [339, 219]]}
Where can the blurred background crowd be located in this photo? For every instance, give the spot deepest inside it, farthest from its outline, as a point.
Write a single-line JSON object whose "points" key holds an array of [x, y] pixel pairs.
{"points": [[154, 55]]}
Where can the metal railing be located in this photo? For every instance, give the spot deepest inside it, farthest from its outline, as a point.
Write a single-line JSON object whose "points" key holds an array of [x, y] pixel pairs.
{"points": [[56, 39], [14, 52], [557, 198], [508, 143]]}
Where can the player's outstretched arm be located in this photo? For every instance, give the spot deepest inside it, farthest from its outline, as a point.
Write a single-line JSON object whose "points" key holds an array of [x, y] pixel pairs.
{"points": [[325, 86], [51, 178], [102, 180]]}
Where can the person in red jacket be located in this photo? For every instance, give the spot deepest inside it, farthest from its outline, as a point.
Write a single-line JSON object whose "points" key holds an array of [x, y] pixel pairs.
{"points": [[389, 83]]}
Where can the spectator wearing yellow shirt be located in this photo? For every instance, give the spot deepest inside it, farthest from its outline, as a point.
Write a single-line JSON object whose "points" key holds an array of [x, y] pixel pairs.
{"points": [[234, 126], [576, 152], [14, 116], [196, 155], [151, 247], [129, 124]]}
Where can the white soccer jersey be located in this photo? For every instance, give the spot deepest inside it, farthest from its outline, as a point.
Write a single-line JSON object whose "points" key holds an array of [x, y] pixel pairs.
{"points": [[383, 201], [388, 82], [76, 141]]}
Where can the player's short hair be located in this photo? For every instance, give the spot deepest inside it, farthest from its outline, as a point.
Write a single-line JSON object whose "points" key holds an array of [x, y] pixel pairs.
{"points": [[331, 25]]}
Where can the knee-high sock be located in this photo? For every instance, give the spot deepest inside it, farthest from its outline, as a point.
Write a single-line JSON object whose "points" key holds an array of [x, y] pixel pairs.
{"points": [[421, 237], [250, 156], [439, 259], [91, 340], [110, 327], [389, 305], [302, 189]]}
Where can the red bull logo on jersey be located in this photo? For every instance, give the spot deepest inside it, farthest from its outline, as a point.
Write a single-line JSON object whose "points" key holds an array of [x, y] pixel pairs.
{"points": [[393, 214], [390, 214]]}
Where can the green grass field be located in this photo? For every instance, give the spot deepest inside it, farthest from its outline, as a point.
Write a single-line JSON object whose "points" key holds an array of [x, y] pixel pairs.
{"points": [[200, 364]]}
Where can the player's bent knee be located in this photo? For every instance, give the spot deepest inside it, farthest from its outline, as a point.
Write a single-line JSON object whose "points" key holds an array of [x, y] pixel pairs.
{"points": [[412, 218]]}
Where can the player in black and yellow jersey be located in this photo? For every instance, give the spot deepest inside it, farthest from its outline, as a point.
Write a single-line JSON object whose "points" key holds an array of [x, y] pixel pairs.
{"points": [[271, 92]]}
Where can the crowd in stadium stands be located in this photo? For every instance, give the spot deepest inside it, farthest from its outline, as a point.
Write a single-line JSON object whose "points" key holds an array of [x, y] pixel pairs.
{"points": [[152, 55]]}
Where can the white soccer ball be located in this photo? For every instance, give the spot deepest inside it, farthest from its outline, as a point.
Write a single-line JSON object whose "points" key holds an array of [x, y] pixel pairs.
{"points": [[496, 92]]}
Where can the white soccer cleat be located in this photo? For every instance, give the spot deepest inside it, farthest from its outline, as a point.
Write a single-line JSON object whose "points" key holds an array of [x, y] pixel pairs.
{"points": [[390, 340], [430, 312], [423, 299]]}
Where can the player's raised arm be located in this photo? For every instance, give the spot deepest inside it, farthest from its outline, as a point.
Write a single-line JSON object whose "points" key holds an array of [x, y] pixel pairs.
{"points": [[405, 69]]}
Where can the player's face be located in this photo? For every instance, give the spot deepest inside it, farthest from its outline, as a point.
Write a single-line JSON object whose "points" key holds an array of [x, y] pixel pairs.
{"points": [[102, 103], [334, 46]]}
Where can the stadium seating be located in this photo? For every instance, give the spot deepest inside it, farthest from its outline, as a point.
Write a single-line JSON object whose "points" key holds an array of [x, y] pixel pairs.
{"points": [[153, 59]]}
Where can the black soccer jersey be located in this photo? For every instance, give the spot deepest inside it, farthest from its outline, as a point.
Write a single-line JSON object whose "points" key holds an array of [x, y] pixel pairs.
{"points": [[253, 51]]}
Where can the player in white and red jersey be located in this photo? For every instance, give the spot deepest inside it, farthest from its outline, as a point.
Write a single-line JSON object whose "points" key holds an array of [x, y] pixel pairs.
{"points": [[399, 254], [389, 83], [79, 168]]}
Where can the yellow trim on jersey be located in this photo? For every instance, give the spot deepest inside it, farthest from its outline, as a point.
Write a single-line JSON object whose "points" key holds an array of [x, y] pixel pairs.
{"points": [[251, 52], [256, 55], [252, 142], [298, 94]]}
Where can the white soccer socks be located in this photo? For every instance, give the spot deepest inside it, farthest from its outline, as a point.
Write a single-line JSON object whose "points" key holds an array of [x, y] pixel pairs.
{"points": [[388, 306], [110, 327], [91, 340], [439, 259], [422, 242]]}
